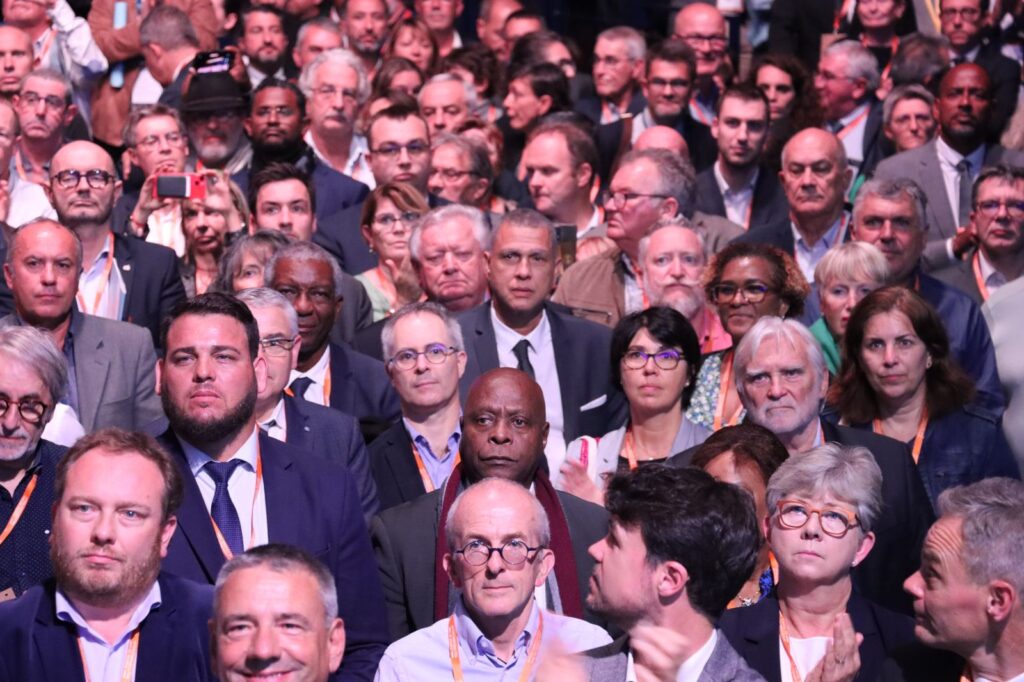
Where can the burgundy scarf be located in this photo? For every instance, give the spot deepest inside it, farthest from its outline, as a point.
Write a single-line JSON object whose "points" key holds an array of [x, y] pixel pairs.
{"points": [[561, 545]]}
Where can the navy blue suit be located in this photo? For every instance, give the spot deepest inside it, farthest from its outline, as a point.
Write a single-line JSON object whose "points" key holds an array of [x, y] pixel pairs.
{"points": [[702, 146], [360, 386], [770, 210], [582, 349], [311, 504], [335, 436], [174, 640]]}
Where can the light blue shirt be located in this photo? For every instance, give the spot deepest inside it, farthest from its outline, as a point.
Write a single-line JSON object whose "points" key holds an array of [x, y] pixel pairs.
{"points": [[440, 467], [808, 256], [423, 655], [105, 661]]}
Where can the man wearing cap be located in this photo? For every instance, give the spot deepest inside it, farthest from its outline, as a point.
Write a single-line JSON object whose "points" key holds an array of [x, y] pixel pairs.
{"points": [[213, 109]]}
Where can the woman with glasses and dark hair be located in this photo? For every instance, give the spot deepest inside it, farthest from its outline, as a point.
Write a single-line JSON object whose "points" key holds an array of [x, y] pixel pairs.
{"points": [[823, 506], [898, 379], [745, 282], [389, 214], [655, 355]]}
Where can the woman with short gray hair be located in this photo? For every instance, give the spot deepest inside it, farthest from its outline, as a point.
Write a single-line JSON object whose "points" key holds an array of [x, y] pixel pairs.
{"points": [[823, 506]]}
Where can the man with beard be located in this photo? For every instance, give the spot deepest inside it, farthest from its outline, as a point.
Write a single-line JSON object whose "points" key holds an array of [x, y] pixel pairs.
{"points": [[366, 25], [110, 613], [274, 124], [33, 379], [213, 108], [244, 488], [673, 260], [263, 42]]}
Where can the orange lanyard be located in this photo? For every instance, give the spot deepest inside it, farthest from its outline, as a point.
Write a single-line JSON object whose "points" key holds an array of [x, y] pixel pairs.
{"points": [[327, 387], [45, 46], [19, 167], [224, 548], [105, 282], [428, 483], [784, 636], [978, 279], [723, 390], [628, 449], [20, 508], [893, 46], [453, 649], [922, 426], [131, 656], [750, 211], [848, 128], [701, 116]]}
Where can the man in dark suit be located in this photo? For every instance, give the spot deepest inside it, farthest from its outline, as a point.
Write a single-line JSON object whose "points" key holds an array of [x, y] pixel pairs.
{"points": [[108, 585], [169, 44], [755, 197], [618, 69], [679, 548], [775, 351], [946, 167], [327, 373], [520, 328], [109, 363], [319, 430], [504, 431], [243, 488], [425, 359], [670, 70]]}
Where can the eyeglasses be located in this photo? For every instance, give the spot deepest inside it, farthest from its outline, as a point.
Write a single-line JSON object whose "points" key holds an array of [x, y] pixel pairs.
{"points": [[277, 347], [388, 220], [513, 552], [31, 411], [329, 92], [829, 76], [834, 522], [615, 199], [435, 354], [450, 174], [990, 208], [96, 178], [967, 13], [713, 41], [33, 98], [675, 83], [391, 150], [151, 141], [663, 359], [752, 292]]}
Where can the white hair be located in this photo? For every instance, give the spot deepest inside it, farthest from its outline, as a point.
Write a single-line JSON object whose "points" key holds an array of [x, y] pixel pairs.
{"points": [[342, 57]]}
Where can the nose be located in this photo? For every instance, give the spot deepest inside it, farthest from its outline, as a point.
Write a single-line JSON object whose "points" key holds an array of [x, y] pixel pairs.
{"points": [[264, 648], [776, 389], [448, 263], [500, 434], [812, 529], [41, 108], [11, 419], [438, 120], [852, 299], [675, 268], [522, 270], [913, 584], [889, 356], [49, 273], [302, 304], [104, 528], [887, 233], [596, 550], [742, 134], [203, 369]]}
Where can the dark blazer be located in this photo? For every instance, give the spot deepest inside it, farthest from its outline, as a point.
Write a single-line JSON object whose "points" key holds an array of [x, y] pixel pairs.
{"points": [[797, 26], [405, 539], [873, 149], [368, 340], [394, 470], [360, 386], [152, 280], [961, 276], [335, 436], [703, 148], [770, 211], [609, 663], [581, 351], [1005, 76], [754, 632], [174, 640], [591, 106], [171, 96], [311, 504]]}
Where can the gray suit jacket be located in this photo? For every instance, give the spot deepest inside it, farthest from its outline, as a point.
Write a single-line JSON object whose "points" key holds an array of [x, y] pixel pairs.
{"points": [[922, 166], [114, 374], [608, 663]]}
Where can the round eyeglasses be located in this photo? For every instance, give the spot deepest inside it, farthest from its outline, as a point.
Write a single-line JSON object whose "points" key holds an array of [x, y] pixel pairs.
{"points": [[513, 552], [835, 522], [435, 354], [31, 411]]}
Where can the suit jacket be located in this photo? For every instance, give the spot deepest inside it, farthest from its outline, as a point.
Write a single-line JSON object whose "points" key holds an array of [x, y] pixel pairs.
{"points": [[922, 165], [960, 275], [770, 210], [608, 663], [874, 149], [1005, 76], [591, 404], [114, 373], [335, 436], [360, 386], [174, 640], [172, 94], [703, 148], [394, 470], [368, 340], [405, 539], [591, 106], [754, 632]]}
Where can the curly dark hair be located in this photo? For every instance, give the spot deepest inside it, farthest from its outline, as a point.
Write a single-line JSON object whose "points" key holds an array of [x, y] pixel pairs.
{"points": [[668, 327], [786, 277], [806, 111]]}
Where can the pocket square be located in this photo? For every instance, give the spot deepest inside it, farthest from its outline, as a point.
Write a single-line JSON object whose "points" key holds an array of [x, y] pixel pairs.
{"points": [[595, 403]]}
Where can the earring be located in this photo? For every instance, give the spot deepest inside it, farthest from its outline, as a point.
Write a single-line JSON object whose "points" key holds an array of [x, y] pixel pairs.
{"points": [[928, 363]]}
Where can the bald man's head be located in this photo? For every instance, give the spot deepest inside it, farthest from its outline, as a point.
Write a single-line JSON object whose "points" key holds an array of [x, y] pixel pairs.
{"points": [[814, 174], [83, 185], [42, 269], [694, 24], [504, 427], [663, 137]]}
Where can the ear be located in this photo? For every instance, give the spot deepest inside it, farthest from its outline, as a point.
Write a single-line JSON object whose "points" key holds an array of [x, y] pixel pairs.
{"points": [[70, 114], [545, 104], [133, 157], [335, 644], [544, 436], [8, 276], [670, 208], [766, 527], [487, 265], [166, 533], [714, 127], [584, 175], [847, 178], [260, 367], [460, 361], [865, 547], [367, 234], [887, 131], [673, 579], [118, 188], [448, 562], [546, 563], [296, 349], [1002, 600], [48, 191], [247, 126], [783, 308], [477, 191], [158, 375], [312, 225]]}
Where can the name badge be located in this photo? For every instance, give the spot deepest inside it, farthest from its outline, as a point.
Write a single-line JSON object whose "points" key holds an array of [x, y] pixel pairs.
{"points": [[7, 595]]}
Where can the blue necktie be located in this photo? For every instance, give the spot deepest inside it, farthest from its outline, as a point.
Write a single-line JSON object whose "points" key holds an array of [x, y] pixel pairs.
{"points": [[222, 510], [299, 387]]}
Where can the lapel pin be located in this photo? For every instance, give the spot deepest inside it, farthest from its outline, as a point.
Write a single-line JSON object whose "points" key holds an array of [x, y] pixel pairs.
{"points": [[126, 267]]}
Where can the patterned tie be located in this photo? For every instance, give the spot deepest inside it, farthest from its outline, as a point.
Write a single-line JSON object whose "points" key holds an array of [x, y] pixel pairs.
{"points": [[521, 351], [222, 510], [299, 386], [963, 178]]}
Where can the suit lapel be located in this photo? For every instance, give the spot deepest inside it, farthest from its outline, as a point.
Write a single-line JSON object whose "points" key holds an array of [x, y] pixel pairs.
{"points": [[570, 385], [123, 255], [399, 459], [56, 649], [708, 185], [341, 391], [485, 345], [156, 656], [934, 186], [283, 494], [296, 419], [92, 365]]}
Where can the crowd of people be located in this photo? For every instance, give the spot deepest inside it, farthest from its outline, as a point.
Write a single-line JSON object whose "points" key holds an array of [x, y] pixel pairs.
{"points": [[492, 339]]}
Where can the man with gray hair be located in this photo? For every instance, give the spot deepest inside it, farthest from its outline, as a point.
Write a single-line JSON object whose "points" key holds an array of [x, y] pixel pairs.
{"points": [[45, 109], [33, 380], [169, 44], [315, 37], [907, 117], [618, 69], [460, 171], [446, 102], [259, 589], [782, 379], [319, 430], [846, 81], [968, 593]]}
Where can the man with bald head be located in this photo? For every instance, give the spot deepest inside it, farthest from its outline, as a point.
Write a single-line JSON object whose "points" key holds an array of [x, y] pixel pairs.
{"points": [[702, 27], [122, 277], [110, 363], [947, 167], [663, 137], [504, 430]]}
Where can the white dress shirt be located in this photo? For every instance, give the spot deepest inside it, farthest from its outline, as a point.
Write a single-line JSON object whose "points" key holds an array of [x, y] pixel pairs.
{"points": [[853, 140], [276, 425], [690, 670], [542, 357], [948, 159], [807, 653], [250, 504], [596, 218], [316, 393], [356, 167], [992, 278], [28, 202], [738, 202]]}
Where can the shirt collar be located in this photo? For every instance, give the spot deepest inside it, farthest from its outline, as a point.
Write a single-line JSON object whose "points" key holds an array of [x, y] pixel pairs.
{"points": [[478, 644], [952, 157], [507, 337], [723, 186], [67, 612], [852, 116], [828, 239], [275, 416], [691, 669], [247, 453], [317, 372], [416, 435], [988, 271]]}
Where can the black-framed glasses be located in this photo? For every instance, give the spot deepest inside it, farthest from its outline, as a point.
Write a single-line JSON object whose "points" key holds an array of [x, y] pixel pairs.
{"points": [[667, 358], [387, 221], [990, 208], [390, 149], [621, 198], [753, 292], [96, 178], [31, 411], [794, 514], [967, 13], [513, 552], [435, 353], [277, 346], [698, 39]]}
